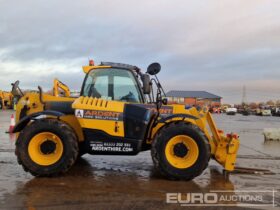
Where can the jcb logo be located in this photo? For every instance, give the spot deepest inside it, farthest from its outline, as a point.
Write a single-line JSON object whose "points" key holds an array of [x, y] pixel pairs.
{"points": [[79, 113]]}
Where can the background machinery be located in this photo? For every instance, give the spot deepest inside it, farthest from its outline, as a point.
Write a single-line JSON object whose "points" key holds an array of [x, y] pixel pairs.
{"points": [[60, 89], [6, 100], [120, 111]]}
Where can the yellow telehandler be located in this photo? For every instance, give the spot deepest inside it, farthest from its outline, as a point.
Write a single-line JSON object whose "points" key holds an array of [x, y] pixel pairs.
{"points": [[120, 111]]}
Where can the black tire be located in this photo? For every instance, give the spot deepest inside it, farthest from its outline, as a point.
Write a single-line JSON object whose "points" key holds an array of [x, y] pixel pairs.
{"points": [[1, 104], [68, 139], [158, 151]]}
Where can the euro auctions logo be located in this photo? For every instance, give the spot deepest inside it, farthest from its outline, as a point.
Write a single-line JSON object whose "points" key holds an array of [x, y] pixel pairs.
{"points": [[264, 198], [192, 198]]}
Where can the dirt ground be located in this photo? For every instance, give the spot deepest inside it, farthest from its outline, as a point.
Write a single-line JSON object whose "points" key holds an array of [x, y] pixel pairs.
{"points": [[109, 182]]}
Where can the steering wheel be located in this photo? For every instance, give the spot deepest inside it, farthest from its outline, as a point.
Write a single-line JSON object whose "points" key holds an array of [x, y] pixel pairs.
{"points": [[129, 97]]}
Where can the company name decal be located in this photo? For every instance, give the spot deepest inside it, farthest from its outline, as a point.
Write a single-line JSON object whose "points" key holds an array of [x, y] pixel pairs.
{"points": [[99, 115], [111, 147], [164, 110]]}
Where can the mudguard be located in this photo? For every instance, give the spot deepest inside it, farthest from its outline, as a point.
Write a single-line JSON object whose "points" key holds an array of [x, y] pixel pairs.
{"points": [[25, 120]]}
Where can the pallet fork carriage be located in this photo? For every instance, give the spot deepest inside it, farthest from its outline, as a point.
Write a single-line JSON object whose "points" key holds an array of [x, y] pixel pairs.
{"points": [[118, 113]]}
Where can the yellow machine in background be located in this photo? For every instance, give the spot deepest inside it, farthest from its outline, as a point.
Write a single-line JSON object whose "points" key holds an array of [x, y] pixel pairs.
{"points": [[60, 88], [6, 100], [118, 113]]}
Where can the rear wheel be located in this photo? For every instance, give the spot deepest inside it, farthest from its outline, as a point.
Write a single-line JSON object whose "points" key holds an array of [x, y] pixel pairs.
{"points": [[47, 147], [180, 151]]}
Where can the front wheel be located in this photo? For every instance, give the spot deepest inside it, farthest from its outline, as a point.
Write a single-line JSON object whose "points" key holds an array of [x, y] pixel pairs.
{"points": [[180, 151], [47, 147]]}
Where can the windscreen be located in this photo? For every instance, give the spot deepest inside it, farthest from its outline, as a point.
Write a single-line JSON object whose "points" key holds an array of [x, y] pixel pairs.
{"points": [[112, 84]]}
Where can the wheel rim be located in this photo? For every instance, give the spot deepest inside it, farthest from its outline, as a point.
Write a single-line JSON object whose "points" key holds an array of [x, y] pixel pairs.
{"points": [[181, 151], [45, 148]]}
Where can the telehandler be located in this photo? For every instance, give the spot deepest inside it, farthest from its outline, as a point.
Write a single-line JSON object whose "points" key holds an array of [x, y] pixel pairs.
{"points": [[120, 111]]}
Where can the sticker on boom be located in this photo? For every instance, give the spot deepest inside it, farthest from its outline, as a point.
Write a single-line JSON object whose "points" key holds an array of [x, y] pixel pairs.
{"points": [[99, 115]]}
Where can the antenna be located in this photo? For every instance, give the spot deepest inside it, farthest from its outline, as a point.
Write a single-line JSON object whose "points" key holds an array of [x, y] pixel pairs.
{"points": [[244, 96]]}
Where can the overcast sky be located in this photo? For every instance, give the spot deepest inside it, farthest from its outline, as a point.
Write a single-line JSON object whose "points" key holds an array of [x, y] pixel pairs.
{"points": [[217, 46]]}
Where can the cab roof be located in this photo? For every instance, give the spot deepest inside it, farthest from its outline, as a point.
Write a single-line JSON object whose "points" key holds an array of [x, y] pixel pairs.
{"points": [[111, 65]]}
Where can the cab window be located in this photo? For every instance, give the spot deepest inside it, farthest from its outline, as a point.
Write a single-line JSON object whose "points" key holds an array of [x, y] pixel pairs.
{"points": [[112, 84]]}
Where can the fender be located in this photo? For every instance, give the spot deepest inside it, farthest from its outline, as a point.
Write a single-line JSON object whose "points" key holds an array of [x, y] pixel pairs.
{"points": [[25, 120], [183, 116]]}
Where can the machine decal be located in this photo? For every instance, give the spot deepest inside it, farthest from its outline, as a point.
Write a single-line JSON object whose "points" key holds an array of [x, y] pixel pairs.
{"points": [[111, 146], [164, 110], [99, 115], [79, 113]]}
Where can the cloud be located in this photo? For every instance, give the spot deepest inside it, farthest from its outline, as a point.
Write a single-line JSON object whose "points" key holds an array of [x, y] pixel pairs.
{"points": [[200, 44]]}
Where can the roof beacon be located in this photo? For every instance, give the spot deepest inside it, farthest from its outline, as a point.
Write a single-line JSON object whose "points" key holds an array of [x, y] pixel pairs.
{"points": [[91, 62]]}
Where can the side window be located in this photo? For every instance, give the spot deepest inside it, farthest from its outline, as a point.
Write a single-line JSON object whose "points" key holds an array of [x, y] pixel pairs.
{"points": [[96, 86], [126, 89], [101, 86]]}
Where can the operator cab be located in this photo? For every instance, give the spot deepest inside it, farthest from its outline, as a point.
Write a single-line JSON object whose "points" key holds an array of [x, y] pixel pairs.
{"points": [[112, 84], [117, 82], [122, 82]]}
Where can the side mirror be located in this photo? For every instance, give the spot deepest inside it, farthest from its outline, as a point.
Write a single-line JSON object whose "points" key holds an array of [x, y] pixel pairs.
{"points": [[153, 68], [146, 83], [165, 101]]}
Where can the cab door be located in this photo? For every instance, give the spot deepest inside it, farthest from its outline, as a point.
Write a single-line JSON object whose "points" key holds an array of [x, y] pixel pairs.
{"points": [[104, 95], [101, 111]]}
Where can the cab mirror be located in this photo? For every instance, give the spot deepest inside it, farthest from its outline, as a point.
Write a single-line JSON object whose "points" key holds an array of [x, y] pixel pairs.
{"points": [[146, 83], [165, 101], [153, 68]]}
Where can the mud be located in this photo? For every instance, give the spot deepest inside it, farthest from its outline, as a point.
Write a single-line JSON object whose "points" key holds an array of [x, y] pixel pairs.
{"points": [[109, 182]]}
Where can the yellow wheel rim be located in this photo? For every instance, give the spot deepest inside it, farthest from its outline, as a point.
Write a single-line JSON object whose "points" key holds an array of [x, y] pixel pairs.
{"points": [[181, 151], [45, 148]]}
